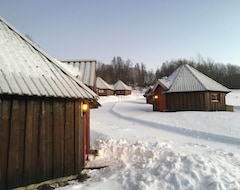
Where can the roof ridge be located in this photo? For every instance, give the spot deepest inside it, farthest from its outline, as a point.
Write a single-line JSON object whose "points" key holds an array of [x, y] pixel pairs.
{"points": [[178, 73], [106, 84], [25, 38], [189, 69], [89, 93]]}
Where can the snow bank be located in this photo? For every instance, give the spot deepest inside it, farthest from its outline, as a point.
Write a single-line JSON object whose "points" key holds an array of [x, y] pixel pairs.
{"points": [[233, 98], [151, 166]]}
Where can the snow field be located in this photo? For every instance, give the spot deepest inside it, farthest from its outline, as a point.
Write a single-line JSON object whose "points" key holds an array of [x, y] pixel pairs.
{"points": [[147, 150]]}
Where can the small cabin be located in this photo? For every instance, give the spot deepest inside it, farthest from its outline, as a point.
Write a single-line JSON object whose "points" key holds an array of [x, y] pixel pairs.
{"points": [[148, 95], [44, 114], [103, 88], [188, 89], [121, 88]]}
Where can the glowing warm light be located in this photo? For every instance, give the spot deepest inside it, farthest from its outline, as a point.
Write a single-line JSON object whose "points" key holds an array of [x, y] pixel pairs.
{"points": [[84, 107], [156, 97]]}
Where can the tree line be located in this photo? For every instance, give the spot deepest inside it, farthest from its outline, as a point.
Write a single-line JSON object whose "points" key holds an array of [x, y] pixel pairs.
{"points": [[137, 74]]}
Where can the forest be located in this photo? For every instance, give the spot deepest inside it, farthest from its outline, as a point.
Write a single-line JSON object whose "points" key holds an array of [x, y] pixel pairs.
{"points": [[137, 74]]}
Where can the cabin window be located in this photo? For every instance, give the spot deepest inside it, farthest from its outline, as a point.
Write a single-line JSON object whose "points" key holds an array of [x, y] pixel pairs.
{"points": [[215, 97], [101, 91]]}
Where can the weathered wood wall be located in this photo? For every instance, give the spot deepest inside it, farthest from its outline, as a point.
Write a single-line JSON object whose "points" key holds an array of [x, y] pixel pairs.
{"points": [[123, 92], [41, 139], [196, 101], [105, 92], [215, 106]]}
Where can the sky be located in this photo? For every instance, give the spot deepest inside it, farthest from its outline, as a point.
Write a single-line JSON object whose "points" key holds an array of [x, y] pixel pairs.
{"points": [[149, 32]]}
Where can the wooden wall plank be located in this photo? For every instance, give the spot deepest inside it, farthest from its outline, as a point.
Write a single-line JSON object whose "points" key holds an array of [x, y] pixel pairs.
{"points": [[87, 129], [16, 146], [79, 134], [58, 143], [28, 168], [5, 107], [42, 142], [35, 141], [202, 101], [82, 139], [69, 139], [48, 173]]}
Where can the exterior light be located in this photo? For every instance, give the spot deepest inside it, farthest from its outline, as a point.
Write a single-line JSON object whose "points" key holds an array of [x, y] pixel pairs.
{"points": [[155, 97], [84, 108]]}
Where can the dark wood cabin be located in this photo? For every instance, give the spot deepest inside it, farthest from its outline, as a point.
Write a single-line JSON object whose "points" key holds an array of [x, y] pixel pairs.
{"points": [[121, 88], [103, 88], [148, 95], [188, 89], [44, 129]]}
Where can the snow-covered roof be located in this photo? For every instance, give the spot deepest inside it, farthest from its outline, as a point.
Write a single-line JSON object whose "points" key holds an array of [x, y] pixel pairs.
{"points": [[85, 70], [147, 91], [187, 79], [101, 84], [27, 70], [120, 85]]}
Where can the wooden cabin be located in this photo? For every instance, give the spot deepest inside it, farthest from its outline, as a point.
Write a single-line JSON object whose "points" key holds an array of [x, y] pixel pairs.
{"points": [[103, 88], [85, 70], [44, 126], [121, 88], [188, 89], [148, 95]]}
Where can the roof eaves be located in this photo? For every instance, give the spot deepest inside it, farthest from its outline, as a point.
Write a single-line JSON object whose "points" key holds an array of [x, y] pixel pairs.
{"points": [[78, 81]]}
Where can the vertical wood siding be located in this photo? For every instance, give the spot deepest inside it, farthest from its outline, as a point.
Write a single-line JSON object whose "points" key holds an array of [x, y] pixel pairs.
{"points": [[195, 101], [41, 139], [122, 92]]}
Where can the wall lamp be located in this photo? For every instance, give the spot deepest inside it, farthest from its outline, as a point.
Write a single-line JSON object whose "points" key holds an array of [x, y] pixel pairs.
{"points": [[84, 108], [155, 97]]}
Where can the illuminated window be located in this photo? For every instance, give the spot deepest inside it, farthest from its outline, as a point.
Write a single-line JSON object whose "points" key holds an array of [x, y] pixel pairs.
{"points": [[215, 97], [100, 90]]}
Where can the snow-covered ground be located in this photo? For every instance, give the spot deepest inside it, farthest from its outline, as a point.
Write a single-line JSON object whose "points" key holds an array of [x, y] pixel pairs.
{"points": [[154, 150]]}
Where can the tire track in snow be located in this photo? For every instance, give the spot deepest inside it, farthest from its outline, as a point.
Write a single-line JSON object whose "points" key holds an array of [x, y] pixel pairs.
{"points": [[179, 131]]}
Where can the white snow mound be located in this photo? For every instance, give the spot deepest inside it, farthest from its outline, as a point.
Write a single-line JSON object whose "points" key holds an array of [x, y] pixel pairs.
{"points": [[143, 165]]}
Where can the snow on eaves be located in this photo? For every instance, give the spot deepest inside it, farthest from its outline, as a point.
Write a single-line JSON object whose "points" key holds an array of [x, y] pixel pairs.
{"points": [[85, 70], [27, 70]]}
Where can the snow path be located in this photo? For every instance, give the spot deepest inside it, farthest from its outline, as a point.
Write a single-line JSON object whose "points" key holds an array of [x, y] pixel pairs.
{"points": [[183, 131]]}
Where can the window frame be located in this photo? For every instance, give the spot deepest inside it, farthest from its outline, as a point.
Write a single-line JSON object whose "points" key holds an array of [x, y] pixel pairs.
{"points": [[215, 97]]}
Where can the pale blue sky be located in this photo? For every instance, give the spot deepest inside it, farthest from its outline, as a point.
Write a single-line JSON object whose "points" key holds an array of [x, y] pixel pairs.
{"points": [[144, 31]]}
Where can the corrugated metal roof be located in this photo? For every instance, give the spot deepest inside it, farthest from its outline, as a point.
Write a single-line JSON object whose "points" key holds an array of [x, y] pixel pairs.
{"points": [[85, 70], [101, 84], [120, 85], [188, 79], [27, 70]]}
